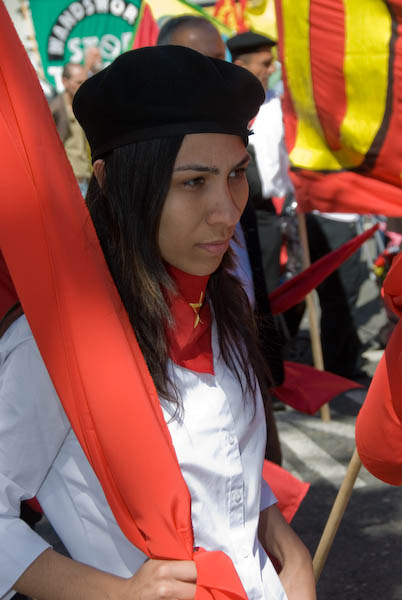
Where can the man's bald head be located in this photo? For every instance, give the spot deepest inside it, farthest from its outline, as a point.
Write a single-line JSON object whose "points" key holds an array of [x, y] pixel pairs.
{"points": [[193, 32]]}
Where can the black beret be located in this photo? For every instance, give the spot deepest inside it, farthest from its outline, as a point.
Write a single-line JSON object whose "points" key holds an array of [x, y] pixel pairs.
{"points": [[165, 91], [243, 43]]}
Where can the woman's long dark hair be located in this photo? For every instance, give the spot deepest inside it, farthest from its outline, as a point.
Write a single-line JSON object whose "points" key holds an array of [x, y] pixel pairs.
{"points": [[126, 213]]}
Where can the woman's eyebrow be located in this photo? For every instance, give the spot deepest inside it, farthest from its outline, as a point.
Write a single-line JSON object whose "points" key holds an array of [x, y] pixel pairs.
{"points": [[213, 170], [200, 168], [244, 160]]}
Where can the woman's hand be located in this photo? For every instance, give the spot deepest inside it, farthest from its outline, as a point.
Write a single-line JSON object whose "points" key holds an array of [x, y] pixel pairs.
{"points": [[278, 538], [162, 580]]}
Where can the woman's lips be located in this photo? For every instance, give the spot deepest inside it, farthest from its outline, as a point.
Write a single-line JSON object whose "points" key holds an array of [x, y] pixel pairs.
{"points": [[218, 247]]}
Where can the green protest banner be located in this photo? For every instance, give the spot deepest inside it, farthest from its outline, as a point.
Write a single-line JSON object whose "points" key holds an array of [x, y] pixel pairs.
{"points": [[65, 29]]}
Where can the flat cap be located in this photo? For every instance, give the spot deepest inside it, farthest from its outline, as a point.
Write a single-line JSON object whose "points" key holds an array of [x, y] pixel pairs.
{"points": [[165, 91], [243, 43]]}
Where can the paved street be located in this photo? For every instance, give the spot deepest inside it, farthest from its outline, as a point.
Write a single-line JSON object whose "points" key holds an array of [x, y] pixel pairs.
{"points": [[364, 562]]}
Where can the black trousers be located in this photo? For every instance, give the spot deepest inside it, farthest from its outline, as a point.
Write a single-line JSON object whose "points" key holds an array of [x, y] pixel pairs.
{"points": [[338, 295]]}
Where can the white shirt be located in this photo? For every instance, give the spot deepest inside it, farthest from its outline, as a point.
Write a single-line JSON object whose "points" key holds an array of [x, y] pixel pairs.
{"points": [[270, 150], [219, 443]]}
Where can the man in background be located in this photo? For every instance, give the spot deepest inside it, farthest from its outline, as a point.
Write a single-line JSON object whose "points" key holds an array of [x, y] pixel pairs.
{"points": [[253, 52], [339, 292], [193, 32], [71, 133]]}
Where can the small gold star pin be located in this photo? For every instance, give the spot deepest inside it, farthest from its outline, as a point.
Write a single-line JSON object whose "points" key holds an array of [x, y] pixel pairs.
{"points": [[196, 306]]}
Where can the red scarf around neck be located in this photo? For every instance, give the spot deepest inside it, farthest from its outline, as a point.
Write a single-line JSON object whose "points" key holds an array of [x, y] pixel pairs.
{"points": [[83, 333], [189, 338]]}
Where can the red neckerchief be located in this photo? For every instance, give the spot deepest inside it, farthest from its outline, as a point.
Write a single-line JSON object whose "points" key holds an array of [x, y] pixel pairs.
{"points": [[189, 339]]}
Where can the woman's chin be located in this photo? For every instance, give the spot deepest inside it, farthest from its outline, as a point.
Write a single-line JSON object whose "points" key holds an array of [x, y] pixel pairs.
{"points": [[199, 269]]}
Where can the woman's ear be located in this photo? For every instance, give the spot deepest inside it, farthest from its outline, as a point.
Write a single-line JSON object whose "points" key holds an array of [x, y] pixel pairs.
{"points": [[99, 171]]}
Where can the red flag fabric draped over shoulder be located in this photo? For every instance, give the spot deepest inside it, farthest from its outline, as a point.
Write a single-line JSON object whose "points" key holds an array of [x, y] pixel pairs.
{"points": [[344, 140], [55, 261]]}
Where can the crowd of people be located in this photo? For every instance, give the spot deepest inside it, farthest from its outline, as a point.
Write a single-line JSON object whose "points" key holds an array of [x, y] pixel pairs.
{"points": [[182, 201]]}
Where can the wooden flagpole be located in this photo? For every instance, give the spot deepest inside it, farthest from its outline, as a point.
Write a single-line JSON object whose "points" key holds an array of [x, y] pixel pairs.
{"points": [[312, 311], [336, 514]]}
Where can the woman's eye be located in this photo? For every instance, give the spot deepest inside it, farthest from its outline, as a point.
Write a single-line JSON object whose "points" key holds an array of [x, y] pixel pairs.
{"points": [[194, 183], [238, 173]]}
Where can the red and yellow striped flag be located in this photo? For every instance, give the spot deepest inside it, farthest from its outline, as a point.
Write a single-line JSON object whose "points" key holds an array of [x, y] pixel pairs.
{"points": [[342, 65]]}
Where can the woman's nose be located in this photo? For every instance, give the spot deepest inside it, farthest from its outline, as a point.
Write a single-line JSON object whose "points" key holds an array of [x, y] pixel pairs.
{"points": [[225, 209]]}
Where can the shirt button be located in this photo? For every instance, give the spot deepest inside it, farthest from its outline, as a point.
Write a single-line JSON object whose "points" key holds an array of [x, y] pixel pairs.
{"points": [[236, 496], [231, 439]]}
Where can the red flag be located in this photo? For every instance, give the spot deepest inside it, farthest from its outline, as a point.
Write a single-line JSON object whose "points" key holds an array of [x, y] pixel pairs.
{"points": [[344, 142], [294, 290], [288, 490], [147, 30], [306, 389]]}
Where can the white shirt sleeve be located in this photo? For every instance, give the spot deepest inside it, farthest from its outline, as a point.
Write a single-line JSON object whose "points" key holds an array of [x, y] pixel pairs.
{"points": [[270, 151], [33, 426], [267, 496]]}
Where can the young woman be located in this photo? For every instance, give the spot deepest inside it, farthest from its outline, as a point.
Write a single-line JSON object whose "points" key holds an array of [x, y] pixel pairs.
{"points": [[168, 132]]}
